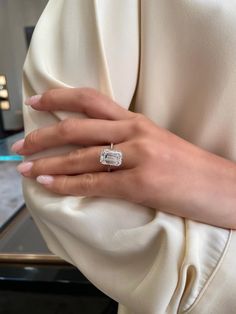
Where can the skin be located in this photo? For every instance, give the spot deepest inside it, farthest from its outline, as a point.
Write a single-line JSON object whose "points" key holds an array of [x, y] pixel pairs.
{"points": [[159, 169]]}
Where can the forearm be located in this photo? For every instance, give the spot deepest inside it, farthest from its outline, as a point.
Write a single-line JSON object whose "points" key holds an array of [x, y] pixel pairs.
{"points": [[211, 193]]}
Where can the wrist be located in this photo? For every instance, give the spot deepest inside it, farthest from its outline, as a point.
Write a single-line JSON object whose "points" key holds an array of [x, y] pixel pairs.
{"points": [[212, 198]]}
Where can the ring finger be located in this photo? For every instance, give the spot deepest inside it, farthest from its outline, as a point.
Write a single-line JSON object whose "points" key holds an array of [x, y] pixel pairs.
{"points": [[79, 161]]}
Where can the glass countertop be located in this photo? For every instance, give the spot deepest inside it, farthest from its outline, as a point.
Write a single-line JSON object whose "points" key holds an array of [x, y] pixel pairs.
{"points": [[19, 237], [11, 198]]}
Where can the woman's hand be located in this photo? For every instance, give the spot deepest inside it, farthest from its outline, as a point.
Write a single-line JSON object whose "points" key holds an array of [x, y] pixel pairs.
{"points": [[159, 169]]}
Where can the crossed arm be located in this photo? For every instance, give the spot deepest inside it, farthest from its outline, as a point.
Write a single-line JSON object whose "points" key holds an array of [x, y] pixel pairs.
{"points": [[159, 169]]}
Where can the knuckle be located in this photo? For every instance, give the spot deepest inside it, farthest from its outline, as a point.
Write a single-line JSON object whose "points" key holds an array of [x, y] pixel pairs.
{"points": [[32, 139], [87, 184], [138, 145], [87, 99], [65, 128], [74, 157], [38, 168], [149, 150], [138, 124], [145, 149], [61, 185], [87, 93], [48, 97]]}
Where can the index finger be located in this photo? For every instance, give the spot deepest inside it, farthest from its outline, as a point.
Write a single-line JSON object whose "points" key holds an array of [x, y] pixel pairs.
{"points": [[84, 100]]}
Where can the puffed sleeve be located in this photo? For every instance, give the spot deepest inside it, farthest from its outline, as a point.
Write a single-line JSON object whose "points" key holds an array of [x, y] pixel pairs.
{"points": [[130, 252]]}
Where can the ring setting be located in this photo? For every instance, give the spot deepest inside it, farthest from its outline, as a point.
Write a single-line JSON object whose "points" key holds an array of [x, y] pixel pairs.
{"points": [[111, 157]]}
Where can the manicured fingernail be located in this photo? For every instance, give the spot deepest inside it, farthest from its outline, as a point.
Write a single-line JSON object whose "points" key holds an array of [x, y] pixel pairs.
{"points": [[45, 179], [17, 146], [31, 101], [24, 166]]}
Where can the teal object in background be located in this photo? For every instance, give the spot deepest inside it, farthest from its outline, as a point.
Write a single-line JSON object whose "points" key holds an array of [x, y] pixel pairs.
{"points": [[5, 148], [11, 196], [11, 158]]}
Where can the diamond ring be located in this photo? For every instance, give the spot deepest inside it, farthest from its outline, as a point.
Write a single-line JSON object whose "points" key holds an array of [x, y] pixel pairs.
{"points": [[111, 157]]}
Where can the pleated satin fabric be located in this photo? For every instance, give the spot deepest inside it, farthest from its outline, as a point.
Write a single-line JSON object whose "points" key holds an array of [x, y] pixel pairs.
{"points": [[174, 61]]}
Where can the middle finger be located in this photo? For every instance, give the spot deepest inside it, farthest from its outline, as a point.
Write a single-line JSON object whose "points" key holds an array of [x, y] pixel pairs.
{"points": [[85, 132]]}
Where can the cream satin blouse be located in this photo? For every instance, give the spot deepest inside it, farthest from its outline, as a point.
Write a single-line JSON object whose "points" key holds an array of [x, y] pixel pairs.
{"points": [[174, 61]]}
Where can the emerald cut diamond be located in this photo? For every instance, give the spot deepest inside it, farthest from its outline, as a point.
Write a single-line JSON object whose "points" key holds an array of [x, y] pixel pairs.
{"points": [[111, 157]]}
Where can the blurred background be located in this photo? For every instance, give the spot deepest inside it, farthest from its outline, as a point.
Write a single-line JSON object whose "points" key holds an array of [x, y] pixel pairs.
{"points": [[15, 17]]}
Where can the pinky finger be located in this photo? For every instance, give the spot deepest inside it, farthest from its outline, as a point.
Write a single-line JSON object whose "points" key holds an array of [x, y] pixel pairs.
{"points": [[103, 184]]}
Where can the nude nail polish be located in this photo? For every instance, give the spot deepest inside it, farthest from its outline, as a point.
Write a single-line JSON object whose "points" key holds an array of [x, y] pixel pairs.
{"points": [[31, 101], [24, 167], [17, 146], [45, 180]]}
